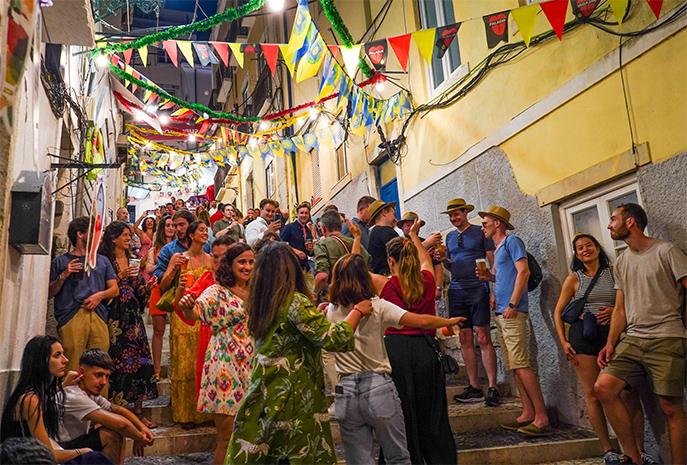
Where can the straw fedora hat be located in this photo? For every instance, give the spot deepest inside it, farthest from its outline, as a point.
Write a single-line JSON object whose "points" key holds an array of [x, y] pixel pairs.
{"points": [[376, 208], [458, 204], [499, 213], [410, 216]]}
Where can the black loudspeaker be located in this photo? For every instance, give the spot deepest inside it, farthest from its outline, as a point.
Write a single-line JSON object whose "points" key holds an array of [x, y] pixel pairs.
{"points": [[30, 218]]}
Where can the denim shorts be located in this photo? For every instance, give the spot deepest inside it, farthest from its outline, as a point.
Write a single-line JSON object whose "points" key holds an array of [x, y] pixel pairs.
{"points": [[473, 304]]}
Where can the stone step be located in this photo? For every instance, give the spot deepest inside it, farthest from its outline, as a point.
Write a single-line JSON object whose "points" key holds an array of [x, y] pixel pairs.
{"points": [[159, 410], [164, 387], [173, 441], [497, 446]]}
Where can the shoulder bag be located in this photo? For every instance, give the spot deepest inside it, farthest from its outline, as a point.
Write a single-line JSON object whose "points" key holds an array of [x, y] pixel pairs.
{"points": [[166, 302], [572, 311]]}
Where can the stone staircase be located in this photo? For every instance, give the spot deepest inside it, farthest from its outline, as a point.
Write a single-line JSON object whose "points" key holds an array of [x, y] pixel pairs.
{"points": [[475, 426]]}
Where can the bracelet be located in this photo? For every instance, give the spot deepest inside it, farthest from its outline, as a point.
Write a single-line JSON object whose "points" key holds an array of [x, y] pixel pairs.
{"points": [[356, 309], [78, 452]]}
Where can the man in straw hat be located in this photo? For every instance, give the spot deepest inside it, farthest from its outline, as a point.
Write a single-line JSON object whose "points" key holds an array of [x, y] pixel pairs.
{"points": [[469, 297], [511, 274], [382, 215]]}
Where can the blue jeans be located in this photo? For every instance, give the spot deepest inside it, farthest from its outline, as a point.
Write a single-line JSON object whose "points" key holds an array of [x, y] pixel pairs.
{"points": [[368, 403]]}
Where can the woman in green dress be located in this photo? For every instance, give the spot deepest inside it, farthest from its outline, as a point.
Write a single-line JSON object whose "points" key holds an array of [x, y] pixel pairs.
{"points": [[283, 415]]}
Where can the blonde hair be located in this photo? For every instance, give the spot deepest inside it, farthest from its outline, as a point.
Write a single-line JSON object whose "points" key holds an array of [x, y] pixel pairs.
{"points": [[409, 275]]}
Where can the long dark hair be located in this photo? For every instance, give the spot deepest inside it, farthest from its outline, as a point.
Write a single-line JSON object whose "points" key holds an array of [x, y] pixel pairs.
{"points": [[577, 265], [35, 378], [277, 274], [351, 282], [145, 221], [160, 239], [112, 232], [409, 274], [224, 275], [193, 227]]}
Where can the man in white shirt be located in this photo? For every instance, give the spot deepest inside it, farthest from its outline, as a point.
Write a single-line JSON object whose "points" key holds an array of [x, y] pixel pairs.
{"points": [[84, 406], [256, 229]]}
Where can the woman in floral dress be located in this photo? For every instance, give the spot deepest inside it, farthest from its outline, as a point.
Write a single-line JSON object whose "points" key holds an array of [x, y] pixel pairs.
{"points": [[228, 359], [132, 378], [283, 415]]}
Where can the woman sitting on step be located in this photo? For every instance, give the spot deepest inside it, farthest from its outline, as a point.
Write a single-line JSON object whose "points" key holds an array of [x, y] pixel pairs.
{"points": [[366, 397]]}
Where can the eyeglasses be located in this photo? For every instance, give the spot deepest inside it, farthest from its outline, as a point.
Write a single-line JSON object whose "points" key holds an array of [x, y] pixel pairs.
{"points": [[460, 240]]}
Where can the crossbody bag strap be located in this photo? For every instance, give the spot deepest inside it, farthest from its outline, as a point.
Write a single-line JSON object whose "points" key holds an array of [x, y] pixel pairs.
{"points": [[592, 284], [343, 244]]}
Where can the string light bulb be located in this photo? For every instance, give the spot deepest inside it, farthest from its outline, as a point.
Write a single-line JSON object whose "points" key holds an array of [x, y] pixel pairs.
{"points": [[379, 87], [101, 61], [314, 113], [138, 115], [151, 109], [148, 146], [264, 126], [275, 5], [252, 142], [164, 119], [191, 137]]}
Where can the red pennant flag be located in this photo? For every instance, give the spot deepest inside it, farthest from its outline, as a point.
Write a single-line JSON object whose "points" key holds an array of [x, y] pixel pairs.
{"points": [[127, 55], [333, 48], [170, 47], [271, 53], [555, 13], [401, 45], [223, 51], [655, 6], [167, 106]]}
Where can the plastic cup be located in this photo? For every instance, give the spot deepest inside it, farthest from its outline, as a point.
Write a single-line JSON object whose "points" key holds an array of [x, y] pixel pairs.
{"points": [[136, 263]]}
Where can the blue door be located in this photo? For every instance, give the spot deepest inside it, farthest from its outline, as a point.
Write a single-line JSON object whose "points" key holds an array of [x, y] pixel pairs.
{"points": [[389, 193]]}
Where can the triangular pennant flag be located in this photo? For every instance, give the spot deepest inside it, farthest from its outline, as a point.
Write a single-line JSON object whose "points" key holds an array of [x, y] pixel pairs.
{"points": [[350, 56], [334, 49], [525, 17], [287, 145], [377, 52], [127, 55], [655, 6], [264, 150], [555, 13], [203, 52], [170, 47], [344, 89], [299, 31], [619, 8], [310, 141], [299, 143], [424, 41], [584, 8], [271, 53], [222, 51], [400, 45], [186, 47], [143, 52], [444, 38], [312, 60], [327, 67], [496, 26], [236, 50], [146, 96], [288, 59], [276, 148], [250, 48]]}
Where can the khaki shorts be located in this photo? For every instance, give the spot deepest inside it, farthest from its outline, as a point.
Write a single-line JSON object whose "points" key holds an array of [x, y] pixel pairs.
{"points": [[86, 330], [663, 359], [514, 334]]}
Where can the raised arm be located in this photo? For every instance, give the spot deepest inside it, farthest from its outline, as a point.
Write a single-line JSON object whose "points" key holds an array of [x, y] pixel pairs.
{"points": [[355, 232], [423, 255]]}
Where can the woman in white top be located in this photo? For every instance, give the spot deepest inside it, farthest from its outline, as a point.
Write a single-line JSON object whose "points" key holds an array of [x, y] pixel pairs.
{"points": [[366, 397]]}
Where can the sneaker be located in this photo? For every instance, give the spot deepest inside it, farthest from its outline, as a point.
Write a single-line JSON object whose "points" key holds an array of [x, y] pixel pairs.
{"points": [[469, 395], [648, 460], [493, 398], [612, 457]]}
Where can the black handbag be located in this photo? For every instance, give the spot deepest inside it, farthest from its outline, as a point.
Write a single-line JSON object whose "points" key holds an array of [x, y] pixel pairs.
{"points": [[572, 311], [448, 364]]}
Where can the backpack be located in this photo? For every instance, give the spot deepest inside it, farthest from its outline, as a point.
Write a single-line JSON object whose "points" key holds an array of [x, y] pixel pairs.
{"points": [[536, 274]]}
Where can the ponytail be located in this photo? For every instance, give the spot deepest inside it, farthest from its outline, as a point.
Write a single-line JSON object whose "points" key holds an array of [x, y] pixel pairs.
{"points": [[409, 276]]}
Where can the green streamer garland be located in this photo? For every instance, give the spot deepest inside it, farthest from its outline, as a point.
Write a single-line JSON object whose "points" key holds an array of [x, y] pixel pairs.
{"points": [[344, 34], [196, 107], [229, 15]]}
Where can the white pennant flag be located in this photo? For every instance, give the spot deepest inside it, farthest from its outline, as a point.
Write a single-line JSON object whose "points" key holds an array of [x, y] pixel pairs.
{"points": [[350, 57]]}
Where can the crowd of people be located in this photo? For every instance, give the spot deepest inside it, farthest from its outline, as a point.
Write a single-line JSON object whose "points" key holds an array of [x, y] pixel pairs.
{"points": [[267, 317]]}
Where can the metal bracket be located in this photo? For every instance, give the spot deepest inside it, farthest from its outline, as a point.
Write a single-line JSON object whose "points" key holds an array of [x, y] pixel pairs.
{"points": [[70, 163]]}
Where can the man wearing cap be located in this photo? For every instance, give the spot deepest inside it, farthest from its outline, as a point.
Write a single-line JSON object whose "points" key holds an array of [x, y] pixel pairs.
{"points": [[361, 219], [383, 218], [511, 273], [469, 297]]}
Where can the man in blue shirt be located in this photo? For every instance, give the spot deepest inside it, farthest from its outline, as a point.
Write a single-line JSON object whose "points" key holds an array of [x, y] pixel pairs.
{"points": [[80, 298], [181, 219], [469, 297], [298, 234], [511, 273]]}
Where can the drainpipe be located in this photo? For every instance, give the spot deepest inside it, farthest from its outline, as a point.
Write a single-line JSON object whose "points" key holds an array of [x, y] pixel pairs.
{"points": [[290, 104]]}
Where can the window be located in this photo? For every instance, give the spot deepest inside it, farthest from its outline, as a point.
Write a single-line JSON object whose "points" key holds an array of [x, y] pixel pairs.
{"points": [[341, 162], [591, 212], [269, 178], [437, 13]]}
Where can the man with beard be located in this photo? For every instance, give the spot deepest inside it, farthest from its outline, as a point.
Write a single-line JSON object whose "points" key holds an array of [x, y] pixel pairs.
{"points": [[647, 334]]}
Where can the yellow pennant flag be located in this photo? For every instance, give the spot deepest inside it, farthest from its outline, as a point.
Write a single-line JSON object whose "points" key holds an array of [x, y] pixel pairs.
{"points": [[299, 31], [424, 40], [299, 143], [350, 56], [312, 60], [619, 7], [143, 51], [288, 59], [277, 148], [186, 47], [525, 17], [236, 50]]}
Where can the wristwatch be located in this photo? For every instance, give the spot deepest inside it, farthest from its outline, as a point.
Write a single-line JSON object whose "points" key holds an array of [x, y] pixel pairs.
{"points": [[511, 305]]}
